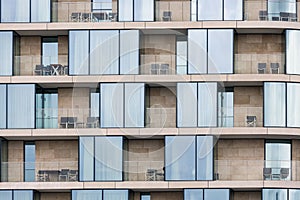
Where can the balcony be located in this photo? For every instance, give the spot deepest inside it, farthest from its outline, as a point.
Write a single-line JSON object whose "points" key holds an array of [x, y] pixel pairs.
{"points": [[39, 171], [144, 171], [172, 10], [160, 117], [256, 170]]}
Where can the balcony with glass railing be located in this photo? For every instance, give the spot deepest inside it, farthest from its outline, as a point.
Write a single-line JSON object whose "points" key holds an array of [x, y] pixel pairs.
{"points": [[39, 171], [173, 10], [144, 171]]}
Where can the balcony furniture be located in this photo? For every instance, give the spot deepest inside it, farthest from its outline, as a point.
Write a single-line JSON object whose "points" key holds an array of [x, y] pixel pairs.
{"points": [[64, 175], [251, 121], [263, 15], [167, 15], [72, 121], [92, 122], [73, 175], [284, 16], [75, 17], [261, 68], [284, 173], [65, 70], [56, 69], [42, 176], [38, 69], [86, 17], [150, 174], [267, 173], [47, 70], [101, 16], [154, 68], [69, 122], [293, 17], [64, 121], [113, 17], [164, 68], [274, 68], [159, 176]]}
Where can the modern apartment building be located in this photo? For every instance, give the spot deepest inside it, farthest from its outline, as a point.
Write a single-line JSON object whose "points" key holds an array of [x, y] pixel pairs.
{"points": [[149, 100]]}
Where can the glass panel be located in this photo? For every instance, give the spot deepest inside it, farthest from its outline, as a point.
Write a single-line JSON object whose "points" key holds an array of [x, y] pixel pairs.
{"points": [[50, 51], [293, 105], [193, 194], [274, 194], [225, 109], [23, 195], [115, 195], [233, 9], [220, 51], [95, 104], [40, 10], [292, 52], [129, 52], [6, 53], [275, 7], [112, 105], [274, 104], [102, 4], [187, 104], [15, 10], [144, 10], [205, 152], [207, 104], [5, 195], [29, 162], [79, 52], [213, 194], [3, 106], [210, 10], [86, 194], [21, 106], [278, 155], [145, 197], [197, 51], [86, 158], [194, 10], [47, 110], [125, 10], [134, 104], [294, 194], [181, 57], [180, 157], [108, 158], [104, 52]]}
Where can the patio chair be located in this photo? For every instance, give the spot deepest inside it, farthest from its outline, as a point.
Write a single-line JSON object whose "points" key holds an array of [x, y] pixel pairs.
{"points": [[92, 122], [274, 68], [267, 173], [113, 17], [284, 16], [261, 68], [251, 121], [64, 122], [284, 173], [72, 122], [263, 15], [63, 175], [73, 175], [150, 174], [164, 68], [75, 17], [47, 70], [167, 15], [42, 176], [293, 17], [86, 17], [38, 69]]}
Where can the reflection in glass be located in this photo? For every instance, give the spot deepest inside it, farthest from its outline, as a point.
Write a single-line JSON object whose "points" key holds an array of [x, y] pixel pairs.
{"points": [[187, 104], [2, 106], [21, 106], [233, 9], [274, 104], [220, 51], [180, 158], [293, 105], [205, 152], [108, 158], [275, 7], [104, 52], [210, 10], [29, 158], [86, 158], [47, 110], [115, 194], [292, 52], [40, 10], [79, 52], [207, 104], [6, 53], [86, 194], [274, 194], [197, 51], [193, 194], [15, 10], [144, 10]]}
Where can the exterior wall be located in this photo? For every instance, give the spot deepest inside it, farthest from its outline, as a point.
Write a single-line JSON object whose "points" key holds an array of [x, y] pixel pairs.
{"points": [[30, 51], [143, 155], [63, 44], [295, 159], [159, 49], [248, 101], [180, 10], [15, 160], [55, 196], [240, 159], [247, 196], [252, 49], [162, 107], [161, 195], [252, 8], [74, 102]]}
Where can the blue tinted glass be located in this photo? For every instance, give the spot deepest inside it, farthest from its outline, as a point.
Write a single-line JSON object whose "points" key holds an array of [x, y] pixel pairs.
{"points": [[86, 158], [86, 194], [115, 195], [193, 194], [6, 195], [23, 195], [29, 162], [15, 10], [274, 194], [6, 53], [3, 106], [214, 194]]}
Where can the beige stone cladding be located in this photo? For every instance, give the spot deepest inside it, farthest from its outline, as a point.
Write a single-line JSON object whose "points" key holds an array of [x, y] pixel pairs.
{"points": [[63, 43], [15, 161], [180, 10], [247, 195], [30, 52], [161, 111], [295, 159], [55, 196], [251, 49], [252, 8], [158, 49], [240, 159], [141, 156], [248, 101]]}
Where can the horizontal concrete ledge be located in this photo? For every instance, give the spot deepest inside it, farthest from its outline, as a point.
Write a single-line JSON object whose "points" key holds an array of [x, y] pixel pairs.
{"points": [[85, 80], [144, 133], [149, 185]]}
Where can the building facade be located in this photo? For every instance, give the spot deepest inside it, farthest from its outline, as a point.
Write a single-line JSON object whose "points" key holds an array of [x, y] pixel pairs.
{"points": [[149, 100]]}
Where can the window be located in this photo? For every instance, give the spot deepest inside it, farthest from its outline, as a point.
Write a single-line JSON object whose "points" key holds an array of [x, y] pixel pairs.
{"points": [[3, 106], [181, 55], [100, 194], [272, 194], [50, 51], [29, 159], [40, 10], [294, 194], [6, 53], [145, 197], [206, 194], [102, 5], [122, 104], [196, 104], [189, 157], [292, 51], [16, 194], [277, 157], [136, 10], [105, 153], [293, 104], [276, 7], [125, 10], [225, 108]]}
